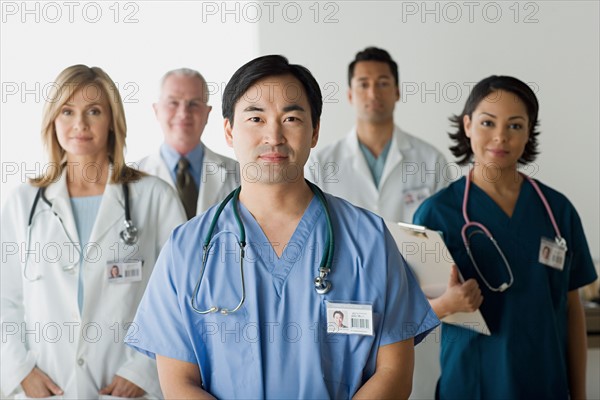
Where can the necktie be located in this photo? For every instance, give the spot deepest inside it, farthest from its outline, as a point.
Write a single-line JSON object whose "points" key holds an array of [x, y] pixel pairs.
{"points": [[188, 192]]}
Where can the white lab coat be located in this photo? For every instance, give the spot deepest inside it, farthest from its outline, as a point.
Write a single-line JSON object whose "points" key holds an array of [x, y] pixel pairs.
{"points": [[220, 176], [41, 322], [413, 171]]}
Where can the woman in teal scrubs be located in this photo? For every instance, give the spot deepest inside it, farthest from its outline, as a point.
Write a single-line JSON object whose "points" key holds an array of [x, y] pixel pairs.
{"points": [[537, 346]]}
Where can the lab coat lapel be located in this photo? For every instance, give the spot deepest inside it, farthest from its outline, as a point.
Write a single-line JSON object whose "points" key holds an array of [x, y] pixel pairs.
{"points": [[156, 166], [359, 164], [58, 195], [394, 157], [209, 182], [112, 210]]}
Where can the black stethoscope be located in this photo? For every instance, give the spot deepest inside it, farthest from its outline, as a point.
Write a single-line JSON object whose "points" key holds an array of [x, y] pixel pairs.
{"points": [[129, 235], [321, 284]]}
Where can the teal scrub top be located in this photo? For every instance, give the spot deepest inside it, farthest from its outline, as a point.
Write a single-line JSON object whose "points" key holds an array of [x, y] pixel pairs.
{"points": [[277, 345], [526, 355]]}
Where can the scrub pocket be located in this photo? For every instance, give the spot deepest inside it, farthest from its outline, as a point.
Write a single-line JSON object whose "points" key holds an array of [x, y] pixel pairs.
{"points": [[345, 358], [230, 345]]}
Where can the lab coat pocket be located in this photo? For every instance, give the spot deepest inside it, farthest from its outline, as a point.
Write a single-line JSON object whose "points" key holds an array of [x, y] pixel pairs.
{"points": [[125, 296], [108, 396], [345, 359]]}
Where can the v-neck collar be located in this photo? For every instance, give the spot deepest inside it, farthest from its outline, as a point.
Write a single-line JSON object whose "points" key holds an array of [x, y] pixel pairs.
{"points": [[492, 207], [280, 267]]}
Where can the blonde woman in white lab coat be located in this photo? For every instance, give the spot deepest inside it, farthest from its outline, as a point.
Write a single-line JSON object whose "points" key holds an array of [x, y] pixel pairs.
{"points": [[63, 317]]}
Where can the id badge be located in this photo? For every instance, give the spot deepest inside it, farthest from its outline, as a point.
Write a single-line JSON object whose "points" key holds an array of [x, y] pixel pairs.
{"points": [[349, 318], [124, 271], [415, 196], [552, 254]]}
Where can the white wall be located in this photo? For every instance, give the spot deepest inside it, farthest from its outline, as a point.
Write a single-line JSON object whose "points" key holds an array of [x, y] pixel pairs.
{"points": [[554, 46], [167, 35], [147, 39]]}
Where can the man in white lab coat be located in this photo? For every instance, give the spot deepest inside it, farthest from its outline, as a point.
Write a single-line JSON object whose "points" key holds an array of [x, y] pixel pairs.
{"points": [[380, 167], [201, 176], [377, 165]]}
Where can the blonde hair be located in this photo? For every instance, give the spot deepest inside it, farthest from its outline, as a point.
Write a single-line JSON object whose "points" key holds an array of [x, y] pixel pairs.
{"points": [[67, 83]]}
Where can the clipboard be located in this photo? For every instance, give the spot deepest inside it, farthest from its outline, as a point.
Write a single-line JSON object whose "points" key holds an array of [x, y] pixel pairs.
{"points": [[431, 262]]}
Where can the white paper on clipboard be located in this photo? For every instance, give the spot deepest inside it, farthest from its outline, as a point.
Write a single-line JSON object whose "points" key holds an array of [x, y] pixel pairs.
{"points": [[426, 254]]}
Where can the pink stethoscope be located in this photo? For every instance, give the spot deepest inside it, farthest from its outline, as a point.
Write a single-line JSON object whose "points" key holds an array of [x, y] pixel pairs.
{"points": [[484, 231]]}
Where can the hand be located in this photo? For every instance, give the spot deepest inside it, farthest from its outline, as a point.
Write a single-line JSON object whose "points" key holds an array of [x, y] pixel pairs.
{"points": [[38, 384], [461, 296], [121, 387]]}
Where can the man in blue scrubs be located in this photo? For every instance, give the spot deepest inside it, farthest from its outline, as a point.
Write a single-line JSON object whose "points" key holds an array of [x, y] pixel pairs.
{"points": [[268, 333]]}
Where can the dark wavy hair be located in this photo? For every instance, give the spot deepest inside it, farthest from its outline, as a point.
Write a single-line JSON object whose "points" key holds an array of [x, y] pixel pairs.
{"points": [[462, 147], [373, 54], [264, 67]]}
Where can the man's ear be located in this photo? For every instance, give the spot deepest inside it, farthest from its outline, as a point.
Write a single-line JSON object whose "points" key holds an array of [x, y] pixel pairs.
{"points": [[228, 128], [208, 110], [315, 135], [155, 108]]}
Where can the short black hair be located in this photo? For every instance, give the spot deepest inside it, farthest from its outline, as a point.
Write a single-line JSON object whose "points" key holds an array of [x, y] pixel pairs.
{"points": [[462, 148], [373, 54], [263, 67]]}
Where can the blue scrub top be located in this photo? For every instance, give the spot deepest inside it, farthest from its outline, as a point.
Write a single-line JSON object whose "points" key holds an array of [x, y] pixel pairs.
{"points": [[276, 345], [525, 357]]}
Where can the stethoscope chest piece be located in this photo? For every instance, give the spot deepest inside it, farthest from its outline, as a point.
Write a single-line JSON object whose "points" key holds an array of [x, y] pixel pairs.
{"points": [[481, 229], [322, 285], [129, 235], [504, 286]]}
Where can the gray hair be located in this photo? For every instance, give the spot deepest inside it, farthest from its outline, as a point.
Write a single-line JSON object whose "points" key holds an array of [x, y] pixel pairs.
{"points": [[192, 73]]}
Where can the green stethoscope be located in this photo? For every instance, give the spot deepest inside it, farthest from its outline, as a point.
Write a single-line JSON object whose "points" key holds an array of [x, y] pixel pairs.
{"points": [[322, 285]]}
